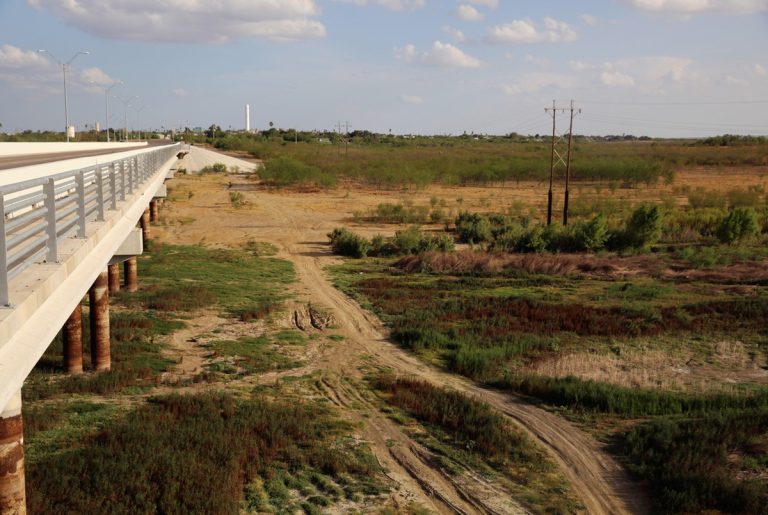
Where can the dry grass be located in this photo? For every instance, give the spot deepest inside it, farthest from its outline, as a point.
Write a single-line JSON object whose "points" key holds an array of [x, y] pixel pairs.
{"points": [[730, 363], [470, 262]]}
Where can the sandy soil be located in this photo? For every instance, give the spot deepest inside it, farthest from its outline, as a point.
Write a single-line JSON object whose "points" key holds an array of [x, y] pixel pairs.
{"points": [[297, 224]]}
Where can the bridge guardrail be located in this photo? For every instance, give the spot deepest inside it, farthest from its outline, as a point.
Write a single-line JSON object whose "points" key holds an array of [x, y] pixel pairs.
{"points": [[39, 213]]}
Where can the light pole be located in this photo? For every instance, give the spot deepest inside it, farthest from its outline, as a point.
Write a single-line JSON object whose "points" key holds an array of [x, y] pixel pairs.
{"points": [[106, 106], [126, 103], [138, 112], [64, 67]]}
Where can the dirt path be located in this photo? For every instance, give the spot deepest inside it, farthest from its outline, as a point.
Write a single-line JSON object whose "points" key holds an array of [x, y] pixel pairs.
{"points": [[297, 226]]}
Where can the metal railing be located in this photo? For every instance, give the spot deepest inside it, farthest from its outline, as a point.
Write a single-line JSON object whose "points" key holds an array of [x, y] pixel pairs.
{"points": [[39, 213]]}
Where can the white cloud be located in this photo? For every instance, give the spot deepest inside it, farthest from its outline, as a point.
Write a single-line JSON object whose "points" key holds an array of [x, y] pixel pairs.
{"points": [[617, 79], [411, 99], [526, 31], [538, 61], [648, 74], [579, 66], [699, 6], [493, 4], [456, 34], [442, 55], [536, 82], [760, 70], [589, 19], [179, 92], [469, 13], [189, 20], [32, 70], [394, 5]]}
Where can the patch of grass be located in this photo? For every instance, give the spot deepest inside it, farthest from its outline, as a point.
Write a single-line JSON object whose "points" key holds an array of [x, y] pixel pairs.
{"points": [[233, 280], [253, 355], [137, 359], [197, 454], [475, 427], [690, 462], [258, 311]]}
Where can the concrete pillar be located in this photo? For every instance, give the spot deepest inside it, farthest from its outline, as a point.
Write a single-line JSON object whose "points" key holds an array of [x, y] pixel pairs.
{"points": [[73, 342], [153, 211], [145, 226], [130, 271], [113, 272], [98, 296], [12, 495]]}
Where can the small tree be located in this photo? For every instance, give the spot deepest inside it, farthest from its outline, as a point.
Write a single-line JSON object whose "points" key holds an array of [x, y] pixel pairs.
{"points": [[643, 227], [740, 224], [593, 234]]}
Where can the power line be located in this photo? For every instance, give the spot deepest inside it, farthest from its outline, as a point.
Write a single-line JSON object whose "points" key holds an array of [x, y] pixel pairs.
{"points": [[690, 103], [556, 157]]}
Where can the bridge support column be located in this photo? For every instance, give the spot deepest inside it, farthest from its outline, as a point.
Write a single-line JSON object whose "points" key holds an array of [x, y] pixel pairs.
{"points": [[130, 271], [153, 211], [145, 226], [113, 272], [12, 494], [73, 342], [98, 296]]}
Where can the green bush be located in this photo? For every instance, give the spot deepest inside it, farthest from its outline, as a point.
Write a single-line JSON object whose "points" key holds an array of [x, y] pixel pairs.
{"points": [[348, 244], [643, 228], [740, 224], [473, 228], [215, 168], [285, 171], [413, 241], [532, 240], [591, 235]]}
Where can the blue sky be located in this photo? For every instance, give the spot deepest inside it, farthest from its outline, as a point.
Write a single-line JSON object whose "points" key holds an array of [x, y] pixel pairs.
{"points": [[654, 67]]}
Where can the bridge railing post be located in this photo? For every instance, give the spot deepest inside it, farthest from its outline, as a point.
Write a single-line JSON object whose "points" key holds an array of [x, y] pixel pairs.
{"points": [[123, 179], [113, 186], [99, 194], [49, 189], [80, 182], [4, 298]]}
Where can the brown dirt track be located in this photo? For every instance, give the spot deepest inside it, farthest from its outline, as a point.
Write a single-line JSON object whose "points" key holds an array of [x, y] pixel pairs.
{"points": [[297, 224]]}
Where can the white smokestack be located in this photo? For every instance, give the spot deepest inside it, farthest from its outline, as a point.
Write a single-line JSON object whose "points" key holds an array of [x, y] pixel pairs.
{"points": [[247, 117]]}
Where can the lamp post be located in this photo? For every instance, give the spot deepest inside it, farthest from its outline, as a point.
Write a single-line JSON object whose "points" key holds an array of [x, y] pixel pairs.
{"points": [[138, 112], [126, 103], [106, 106], [64, 67]]}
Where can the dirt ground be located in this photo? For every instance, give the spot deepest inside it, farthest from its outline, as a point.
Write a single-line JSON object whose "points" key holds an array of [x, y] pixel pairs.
{"points": [[297, 224]]}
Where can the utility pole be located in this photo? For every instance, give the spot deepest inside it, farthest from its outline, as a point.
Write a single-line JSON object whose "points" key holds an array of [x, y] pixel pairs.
{"points": [[557, 156], [344, 138]]}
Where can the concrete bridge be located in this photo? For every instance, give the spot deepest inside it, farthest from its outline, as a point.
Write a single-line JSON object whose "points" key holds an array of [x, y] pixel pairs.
{"points": [[66, 227]]}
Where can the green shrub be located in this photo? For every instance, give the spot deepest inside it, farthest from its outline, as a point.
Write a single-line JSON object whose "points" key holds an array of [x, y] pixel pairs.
{"points": [[215, 168], [413, 241], [740, 224], [346, 243], [643, 228], [591, 235], [532, 240], [689, 461], [285, 171], [409, 240], [473, 228]]}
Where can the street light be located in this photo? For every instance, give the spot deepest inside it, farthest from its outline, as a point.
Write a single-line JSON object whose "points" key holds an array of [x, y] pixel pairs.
{"points": [[126, 103], [138, 112], [106, 105], [64, 67]]}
